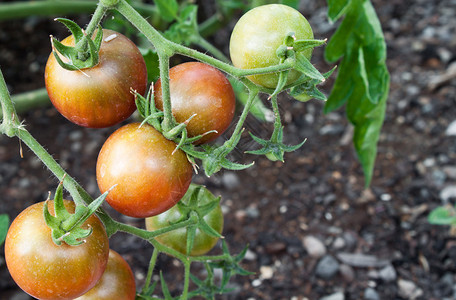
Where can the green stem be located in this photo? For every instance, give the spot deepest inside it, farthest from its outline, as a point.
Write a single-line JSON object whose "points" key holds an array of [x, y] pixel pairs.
{"points": [[143, 26], [22, 9], [96, 19], [26, 101], [203, 43], [10, 120], [82, 45], [277, 120], [230, 143], [168, 119], [150, 271], [187, 265]]}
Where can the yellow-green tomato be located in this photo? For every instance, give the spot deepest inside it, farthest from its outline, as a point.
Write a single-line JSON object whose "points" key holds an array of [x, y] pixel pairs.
{"points": [[259, 33], [117, 282], [177, 239]]}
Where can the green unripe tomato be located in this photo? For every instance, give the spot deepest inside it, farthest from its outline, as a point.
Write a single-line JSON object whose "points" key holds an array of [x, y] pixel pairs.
{"points": [[177, 239], [259, 33]]}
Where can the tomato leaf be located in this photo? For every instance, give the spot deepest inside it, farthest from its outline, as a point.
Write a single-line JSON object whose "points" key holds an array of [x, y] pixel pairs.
{"points": [[337, 45], [363, 79], [167, 9], [4, 224], [151, 58], [442, 215], [336, 9], [185, 30]]}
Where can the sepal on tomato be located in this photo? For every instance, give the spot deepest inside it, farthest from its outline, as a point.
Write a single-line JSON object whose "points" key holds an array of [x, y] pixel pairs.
{"points": [[274, 149], [65, 226], [308, 90], [85, 52]]}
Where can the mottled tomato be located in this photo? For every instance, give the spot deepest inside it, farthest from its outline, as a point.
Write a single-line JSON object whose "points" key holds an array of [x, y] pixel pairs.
{"points": [[47, 271], [200, 89], [117, 282], [258, 34], [177, 239], [149, 177], [99, 96]]}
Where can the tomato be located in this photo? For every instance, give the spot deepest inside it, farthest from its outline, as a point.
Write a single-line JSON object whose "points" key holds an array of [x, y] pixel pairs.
{"points": [[117, 282], [149, 177], [100, 96], [200, 89], [47, 271], [177, 239], [258, 34]]}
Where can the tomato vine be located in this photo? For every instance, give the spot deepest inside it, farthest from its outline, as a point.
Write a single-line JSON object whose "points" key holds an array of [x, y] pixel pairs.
{"points": [[362, 83]]}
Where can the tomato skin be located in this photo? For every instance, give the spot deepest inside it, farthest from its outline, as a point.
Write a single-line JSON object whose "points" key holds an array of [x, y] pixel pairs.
{"points": [[47, 271], [177, 239], [258, 34], [100, 96], [117, 282], [149, 179], [198, 88]]}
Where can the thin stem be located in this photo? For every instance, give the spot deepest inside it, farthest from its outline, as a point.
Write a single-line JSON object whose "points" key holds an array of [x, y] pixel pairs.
{"points": [[187, 265], [143, 26], [168, 119], [69, 183], [203, 43], [22, 9], [82, 45], [150, 271], [277, 120], [10, 120], [96, 19], [252, 94], [29, 100]]}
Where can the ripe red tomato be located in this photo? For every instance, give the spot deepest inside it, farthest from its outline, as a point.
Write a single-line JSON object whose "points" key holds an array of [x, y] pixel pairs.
{"points": [[99, 96], [149, 177], [200, 89], [258, 34], [47, 271], [177, 239], [117, 282]]}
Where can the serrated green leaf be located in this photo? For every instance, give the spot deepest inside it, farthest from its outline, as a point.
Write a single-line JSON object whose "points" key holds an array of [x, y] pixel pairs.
{"points": [[336, 9], [442, 216], [167, 9], [363, 79], [337, 45], [4, 224]]}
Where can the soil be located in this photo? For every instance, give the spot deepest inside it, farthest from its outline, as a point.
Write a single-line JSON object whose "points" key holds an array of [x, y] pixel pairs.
{"points": [[313, 230]]}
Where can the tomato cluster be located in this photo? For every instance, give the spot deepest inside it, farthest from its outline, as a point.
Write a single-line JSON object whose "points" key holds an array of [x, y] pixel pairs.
{"points": [[144, 173]]}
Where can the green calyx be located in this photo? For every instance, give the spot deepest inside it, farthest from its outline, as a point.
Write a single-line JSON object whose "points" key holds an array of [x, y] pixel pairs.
{"points": [[191, 207], [292, 50], [66, 226], [85, 52], [308, 90]]}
